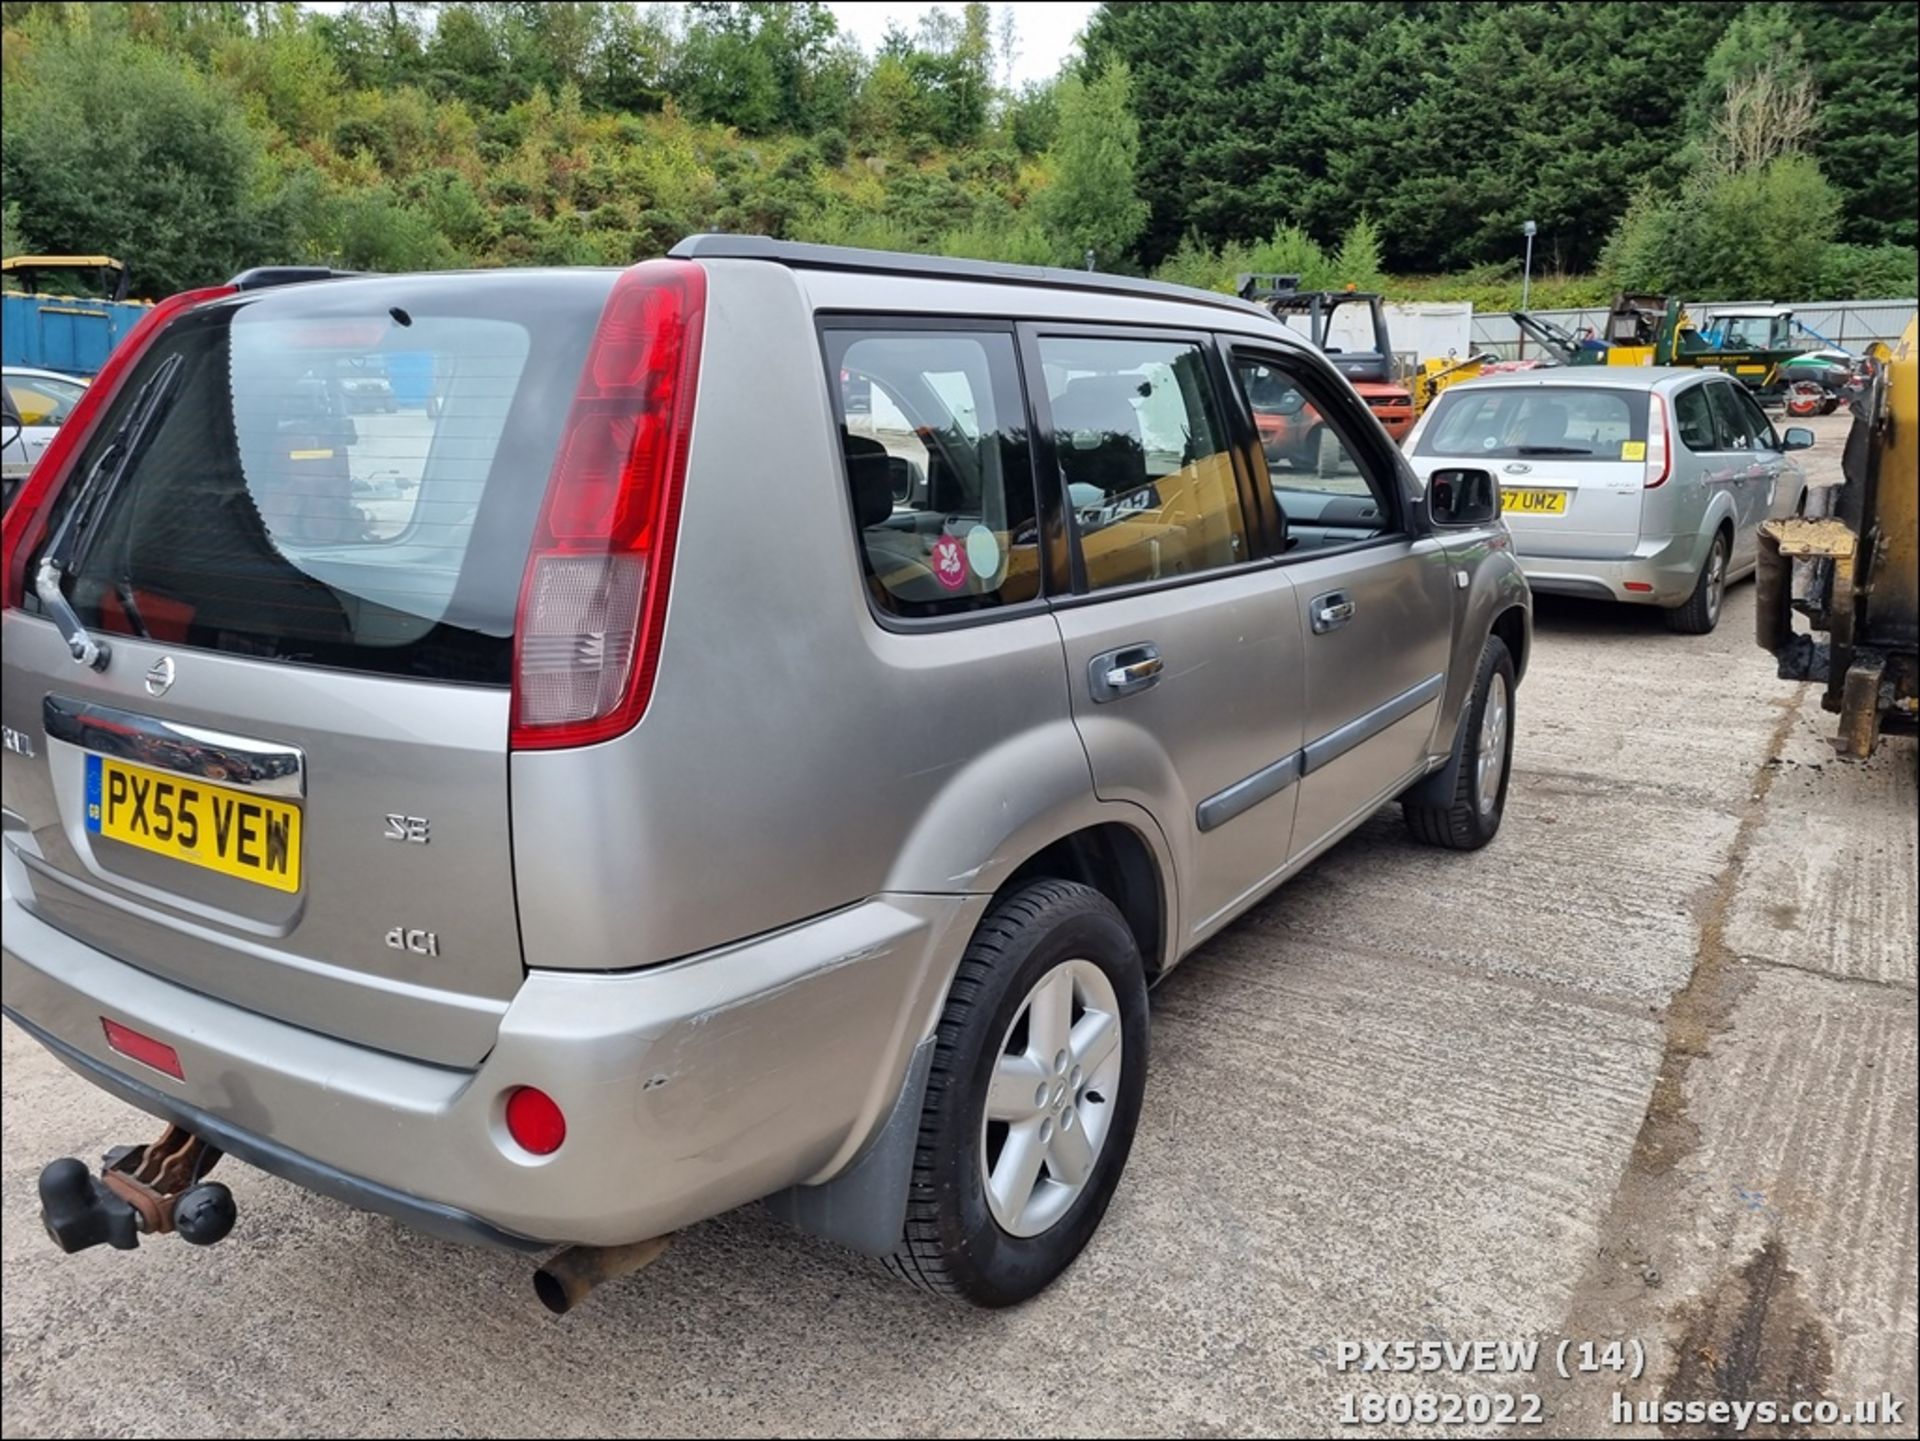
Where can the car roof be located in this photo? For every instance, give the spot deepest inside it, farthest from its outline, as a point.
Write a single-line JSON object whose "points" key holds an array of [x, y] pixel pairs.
{"points": [[1593, 377], [804, 256]]}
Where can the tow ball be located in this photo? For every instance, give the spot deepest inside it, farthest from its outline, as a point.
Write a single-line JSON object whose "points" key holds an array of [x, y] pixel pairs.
{"points": [[140, 1191]]}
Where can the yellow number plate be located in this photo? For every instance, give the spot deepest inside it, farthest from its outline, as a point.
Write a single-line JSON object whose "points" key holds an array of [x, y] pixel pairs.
{"points": [[223, 830], [1534, 502]]}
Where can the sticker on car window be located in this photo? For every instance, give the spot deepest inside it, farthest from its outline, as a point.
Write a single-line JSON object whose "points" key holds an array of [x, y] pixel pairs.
{"points": [[949, 564], [983, 553], [1633, 450]]}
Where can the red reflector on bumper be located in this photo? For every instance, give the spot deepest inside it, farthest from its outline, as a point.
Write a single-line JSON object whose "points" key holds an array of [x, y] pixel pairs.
{"points": [[1636, 585], [144, 1049]]}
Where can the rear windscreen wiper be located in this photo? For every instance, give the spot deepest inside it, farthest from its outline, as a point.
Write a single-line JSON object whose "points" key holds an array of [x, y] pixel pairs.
{"points": [[66, 549], [1552, 450]]}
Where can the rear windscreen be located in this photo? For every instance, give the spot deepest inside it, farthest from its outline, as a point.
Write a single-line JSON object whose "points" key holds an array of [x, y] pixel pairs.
{"points": [[1600, 423], [340, 475]]}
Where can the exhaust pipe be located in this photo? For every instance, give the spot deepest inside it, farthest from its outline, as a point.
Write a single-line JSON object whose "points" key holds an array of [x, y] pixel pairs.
{"points": [[568, 1277]]}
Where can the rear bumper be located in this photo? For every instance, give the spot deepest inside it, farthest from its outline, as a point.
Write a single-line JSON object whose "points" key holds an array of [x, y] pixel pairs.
{"points": [[1669, 567], [689, 1088]]}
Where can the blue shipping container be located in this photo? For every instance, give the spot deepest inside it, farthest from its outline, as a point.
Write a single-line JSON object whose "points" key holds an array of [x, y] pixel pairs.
{"points": [[61, 332]]}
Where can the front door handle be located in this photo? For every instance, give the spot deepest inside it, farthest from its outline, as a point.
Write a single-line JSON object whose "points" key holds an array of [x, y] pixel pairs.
{"points": [[1124, 672], [1330, 611]]}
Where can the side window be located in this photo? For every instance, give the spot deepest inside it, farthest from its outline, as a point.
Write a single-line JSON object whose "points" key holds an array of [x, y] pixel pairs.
{"points": [[1693, 418], [934, 435], [1731, 428], [1764, 434], [1323, 489], [1144, 458], [41, 403]]}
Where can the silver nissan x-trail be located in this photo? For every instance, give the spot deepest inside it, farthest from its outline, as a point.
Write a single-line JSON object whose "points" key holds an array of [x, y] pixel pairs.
{"points": [[748, 727]]}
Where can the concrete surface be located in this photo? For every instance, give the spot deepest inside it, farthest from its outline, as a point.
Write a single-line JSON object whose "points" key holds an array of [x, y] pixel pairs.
{"points": [[1644, 1067]]}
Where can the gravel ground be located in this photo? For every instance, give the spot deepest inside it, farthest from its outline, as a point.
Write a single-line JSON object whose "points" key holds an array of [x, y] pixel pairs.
{"points": [[1643, 1068]]}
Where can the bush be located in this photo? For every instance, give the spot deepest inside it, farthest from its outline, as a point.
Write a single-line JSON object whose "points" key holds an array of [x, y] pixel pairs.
{"points": [[112, 147], [1869, 272], [833, 146], [1748, 234]]}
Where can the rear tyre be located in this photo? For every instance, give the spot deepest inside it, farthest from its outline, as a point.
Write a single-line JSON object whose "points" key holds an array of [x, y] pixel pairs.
{"points": [[1482, 763], [1700, 613], [1038, 1070]]}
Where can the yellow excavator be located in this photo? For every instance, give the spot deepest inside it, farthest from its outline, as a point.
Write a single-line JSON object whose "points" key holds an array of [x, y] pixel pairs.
{"points": [[1856, 567]]}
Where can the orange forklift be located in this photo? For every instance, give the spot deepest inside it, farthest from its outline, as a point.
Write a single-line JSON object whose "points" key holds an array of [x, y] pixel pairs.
{"points": [[1294, 436]]}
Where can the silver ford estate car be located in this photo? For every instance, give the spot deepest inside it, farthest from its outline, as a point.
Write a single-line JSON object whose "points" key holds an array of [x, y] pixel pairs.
{"points": [[748, 727], [1632, 484]]}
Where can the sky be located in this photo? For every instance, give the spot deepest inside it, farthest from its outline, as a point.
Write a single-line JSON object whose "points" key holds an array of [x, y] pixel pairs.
{"points": [[1045, 28]]}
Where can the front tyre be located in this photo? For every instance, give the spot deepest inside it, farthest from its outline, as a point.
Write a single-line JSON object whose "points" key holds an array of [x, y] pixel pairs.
{"points": [[1039, 1067], [1482, 763]]}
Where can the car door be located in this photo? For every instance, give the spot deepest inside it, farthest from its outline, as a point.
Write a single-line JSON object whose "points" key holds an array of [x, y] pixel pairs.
{"points": [[1376, 601], [1182, 638], [1783, 480], [1745, 466]]}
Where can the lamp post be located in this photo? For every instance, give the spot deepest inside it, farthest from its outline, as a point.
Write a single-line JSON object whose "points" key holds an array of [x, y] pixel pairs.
{"points": [[1526, 276]]}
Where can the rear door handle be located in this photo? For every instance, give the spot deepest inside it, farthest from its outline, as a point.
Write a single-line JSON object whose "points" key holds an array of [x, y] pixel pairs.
{"points": [[1127, 671], [1330, 611]]}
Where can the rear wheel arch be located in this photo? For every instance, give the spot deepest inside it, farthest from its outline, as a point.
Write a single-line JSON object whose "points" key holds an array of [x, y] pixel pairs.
{"points": [[1117, 861]]}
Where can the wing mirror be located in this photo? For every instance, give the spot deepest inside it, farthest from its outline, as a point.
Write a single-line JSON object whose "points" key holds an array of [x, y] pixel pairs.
{"points": [[1798, 437], [1462, 498]]}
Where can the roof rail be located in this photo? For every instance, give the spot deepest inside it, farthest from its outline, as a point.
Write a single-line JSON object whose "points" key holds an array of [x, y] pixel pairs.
{"points": [[803, 256], [265, 277]]}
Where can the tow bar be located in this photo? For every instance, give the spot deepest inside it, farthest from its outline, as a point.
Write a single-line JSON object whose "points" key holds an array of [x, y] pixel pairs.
{"points": [[140, 1191]]}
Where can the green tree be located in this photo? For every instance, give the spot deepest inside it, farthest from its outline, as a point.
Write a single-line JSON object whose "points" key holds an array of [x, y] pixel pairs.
{"points": [[1449, 124], [1756, 218], [112, 147], [1357, 262], [1863, 65], [1092, 203], [751, 65]]}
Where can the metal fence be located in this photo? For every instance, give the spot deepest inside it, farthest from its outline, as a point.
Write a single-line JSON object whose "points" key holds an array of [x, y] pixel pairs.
{"points": [[1849, 324]]}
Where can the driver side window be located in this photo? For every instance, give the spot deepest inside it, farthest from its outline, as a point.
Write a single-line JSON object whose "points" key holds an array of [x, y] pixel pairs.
{"points": [[1326, 488]]}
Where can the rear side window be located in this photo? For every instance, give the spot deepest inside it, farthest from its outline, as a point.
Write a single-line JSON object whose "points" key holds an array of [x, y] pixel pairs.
{"points": [[1764, 435], [1557, 420], [1144, 458], [934, 438], [1732, 428], [345, 477], [1693, 418]]}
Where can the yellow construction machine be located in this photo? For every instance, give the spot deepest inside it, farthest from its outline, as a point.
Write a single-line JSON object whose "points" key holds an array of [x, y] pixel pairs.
{"points": [[1437, 372], [1854, 570]]}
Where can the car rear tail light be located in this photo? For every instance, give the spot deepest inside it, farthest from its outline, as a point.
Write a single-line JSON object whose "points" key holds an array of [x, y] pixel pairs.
{"points": [[26, 520], [1659, 443], [144, 1049], [535, 1121], [594, 599]]}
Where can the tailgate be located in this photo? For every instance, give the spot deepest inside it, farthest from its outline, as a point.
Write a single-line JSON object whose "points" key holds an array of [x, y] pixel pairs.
{"points": [[287, 787], [1571, 460]]}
